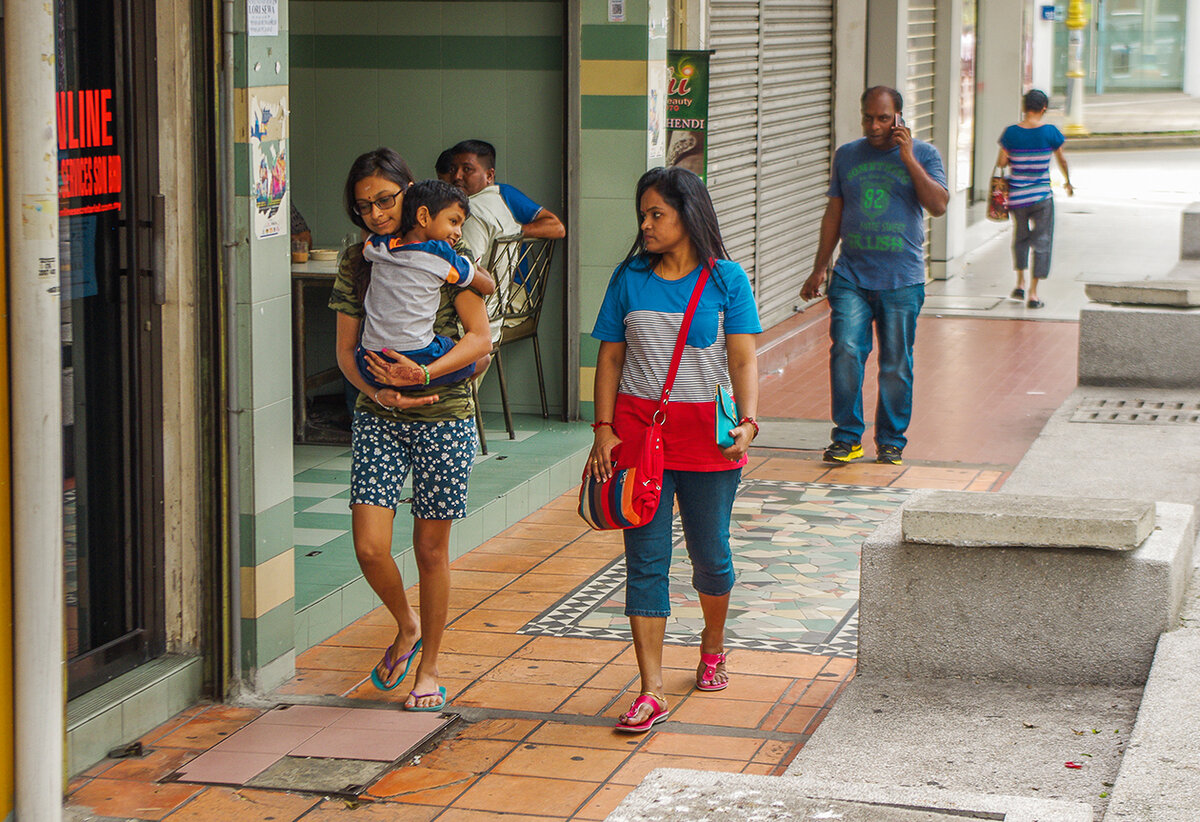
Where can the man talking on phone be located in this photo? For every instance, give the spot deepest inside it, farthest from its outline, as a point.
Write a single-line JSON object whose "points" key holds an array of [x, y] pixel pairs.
{"points": [[880, 187]]}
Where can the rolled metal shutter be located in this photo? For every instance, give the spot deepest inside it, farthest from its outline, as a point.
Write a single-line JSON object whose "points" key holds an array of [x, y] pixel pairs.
{"points": [[733, 124], [918, 94], [795, 119]]}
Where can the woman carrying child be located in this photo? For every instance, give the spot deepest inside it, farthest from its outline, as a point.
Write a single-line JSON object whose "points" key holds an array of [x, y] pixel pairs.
{"points": [[429, 429], [678, 241]]}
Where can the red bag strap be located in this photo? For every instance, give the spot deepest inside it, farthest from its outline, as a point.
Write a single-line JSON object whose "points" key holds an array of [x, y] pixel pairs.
{"points": [[683, 332]]}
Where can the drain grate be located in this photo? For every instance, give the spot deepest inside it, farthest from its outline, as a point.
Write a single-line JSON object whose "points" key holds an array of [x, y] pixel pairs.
{"points": [[1137, 412]]}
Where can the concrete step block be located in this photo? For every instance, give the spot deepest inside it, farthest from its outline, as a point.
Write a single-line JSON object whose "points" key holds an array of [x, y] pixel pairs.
{"points": [[1159, 778], [979, 519], [1034, 615], [1177, 293], [674, 795], [1189, 233], [1139, 346]]}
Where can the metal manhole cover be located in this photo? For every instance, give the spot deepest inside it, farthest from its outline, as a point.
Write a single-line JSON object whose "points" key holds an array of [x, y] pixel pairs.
{"points": [[1137, 412]]}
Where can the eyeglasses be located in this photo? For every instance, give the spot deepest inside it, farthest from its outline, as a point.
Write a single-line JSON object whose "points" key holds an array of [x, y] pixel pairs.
{"points": [[385, 202]]}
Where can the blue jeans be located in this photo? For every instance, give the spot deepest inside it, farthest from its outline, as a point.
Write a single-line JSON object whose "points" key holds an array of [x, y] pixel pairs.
{"points": [[893, 312], [705, 506], [1033, 230]]}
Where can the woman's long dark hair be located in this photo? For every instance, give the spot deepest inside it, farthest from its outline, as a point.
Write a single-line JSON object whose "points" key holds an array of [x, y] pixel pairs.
{"points": [[386, 163], [684, 191]]}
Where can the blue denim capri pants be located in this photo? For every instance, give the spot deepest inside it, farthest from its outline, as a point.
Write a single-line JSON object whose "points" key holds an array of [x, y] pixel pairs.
{"points": [[440, 454], [705, 507]]}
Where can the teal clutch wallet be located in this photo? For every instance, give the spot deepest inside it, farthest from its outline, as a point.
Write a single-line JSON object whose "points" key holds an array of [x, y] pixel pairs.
{"points": [[727, 417]]}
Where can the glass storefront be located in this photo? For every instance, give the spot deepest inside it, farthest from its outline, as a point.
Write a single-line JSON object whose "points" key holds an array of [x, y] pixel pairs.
{"points": [[109, 335], [1129, 45]]}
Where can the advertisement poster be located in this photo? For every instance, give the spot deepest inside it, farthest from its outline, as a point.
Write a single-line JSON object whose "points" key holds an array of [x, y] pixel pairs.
{"points": [[687, 111], [268, 162]]}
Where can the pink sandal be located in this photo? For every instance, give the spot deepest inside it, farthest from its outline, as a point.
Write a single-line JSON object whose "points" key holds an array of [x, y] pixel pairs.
{"points": [[657, 714], [707, 680]]}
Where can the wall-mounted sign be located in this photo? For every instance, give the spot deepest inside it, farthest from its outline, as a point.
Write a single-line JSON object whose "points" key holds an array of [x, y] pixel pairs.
{"points": [[687, 111], [262, 18], [268, 160]]}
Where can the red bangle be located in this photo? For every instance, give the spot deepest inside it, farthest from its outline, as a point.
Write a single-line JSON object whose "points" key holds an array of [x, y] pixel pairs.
{"points": [[598, 424], [752, 421]]}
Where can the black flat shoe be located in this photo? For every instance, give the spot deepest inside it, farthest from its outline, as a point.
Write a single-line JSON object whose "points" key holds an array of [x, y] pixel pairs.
{"points": [[1018, 294], [1035, 304]]}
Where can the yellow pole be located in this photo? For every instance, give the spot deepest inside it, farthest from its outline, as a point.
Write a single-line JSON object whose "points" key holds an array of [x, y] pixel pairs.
{"points": [[1076, 22]]}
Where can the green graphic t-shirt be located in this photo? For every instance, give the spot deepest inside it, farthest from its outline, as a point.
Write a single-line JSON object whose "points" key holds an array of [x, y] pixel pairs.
{"points": [[883, 227], [454, 401]]}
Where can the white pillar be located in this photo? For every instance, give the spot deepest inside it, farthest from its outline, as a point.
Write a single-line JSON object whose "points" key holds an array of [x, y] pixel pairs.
{"points": [[1191, 50], [998, 76], [32, 193]]}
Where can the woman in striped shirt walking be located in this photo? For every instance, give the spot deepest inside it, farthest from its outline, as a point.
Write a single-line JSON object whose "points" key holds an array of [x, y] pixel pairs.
{"points": [[637, 326], [1027, 147]]}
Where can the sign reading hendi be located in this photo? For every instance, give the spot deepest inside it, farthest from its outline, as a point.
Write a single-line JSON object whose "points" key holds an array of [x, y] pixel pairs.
{"points": [[687, 111], [89, 169]]}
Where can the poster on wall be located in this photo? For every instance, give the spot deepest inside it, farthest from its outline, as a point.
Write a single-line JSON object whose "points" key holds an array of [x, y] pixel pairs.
{"points": [[687, 111], [268, 162]]}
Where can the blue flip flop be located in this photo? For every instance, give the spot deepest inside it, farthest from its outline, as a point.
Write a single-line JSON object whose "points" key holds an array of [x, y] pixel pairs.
{"points": [[391, 664], [441, 691]]}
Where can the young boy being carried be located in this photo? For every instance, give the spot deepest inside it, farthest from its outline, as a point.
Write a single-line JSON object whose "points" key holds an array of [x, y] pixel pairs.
{"points": [[407, 274]]}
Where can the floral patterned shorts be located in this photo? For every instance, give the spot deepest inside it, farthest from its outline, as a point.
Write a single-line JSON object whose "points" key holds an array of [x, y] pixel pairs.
{"points": [[440, 454]]}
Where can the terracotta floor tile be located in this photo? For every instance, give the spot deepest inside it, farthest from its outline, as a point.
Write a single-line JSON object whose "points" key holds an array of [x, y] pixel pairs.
{"points": [[561, 762], [132, 799], [585, 566], [513, 696], [561, 583], [572, 650], [244, 804], [797, 720], [773, 663], [322, 683], [758, 770], [167, 727], [378, 616], [860, 473], [526, 795], [337, 810], [588, 702], [506, 562], [150, 768], [199, 734], [525, 547], [604, 802], [640, 765], [461, 641], [311, 716], [929, 482], [838, 665], [230, 712], [557, 532], [466, 754], [812, 726], [773, 751], [339, 658], [367, 691], [484, 619], [514, 599], [555, 516], [591, 736], [740, 748], [502, 729], [754, 688], [818, 693], [722, 711], [409, 780], [465, 666], [466, 815], [592, 550], [939, 472], [543, 672], [774, 717], [792, 469], [482, 580]]}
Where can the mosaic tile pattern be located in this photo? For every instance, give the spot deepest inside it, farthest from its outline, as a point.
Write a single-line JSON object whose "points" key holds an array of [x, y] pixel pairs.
{"points": [[796, 552]]}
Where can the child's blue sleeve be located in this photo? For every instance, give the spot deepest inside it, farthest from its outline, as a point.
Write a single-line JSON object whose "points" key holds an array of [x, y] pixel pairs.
{"points": [[461, 271], [524, 210]]}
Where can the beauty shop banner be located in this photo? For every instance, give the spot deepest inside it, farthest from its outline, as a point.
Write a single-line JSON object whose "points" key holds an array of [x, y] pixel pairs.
{"points": [[687, 111]]}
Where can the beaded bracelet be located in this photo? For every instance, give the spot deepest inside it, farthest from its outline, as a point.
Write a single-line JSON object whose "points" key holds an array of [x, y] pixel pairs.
{"points": [[425, 371]]}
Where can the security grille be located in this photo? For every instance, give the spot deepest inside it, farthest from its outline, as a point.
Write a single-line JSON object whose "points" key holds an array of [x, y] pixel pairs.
{"points": [[1137, 412]]}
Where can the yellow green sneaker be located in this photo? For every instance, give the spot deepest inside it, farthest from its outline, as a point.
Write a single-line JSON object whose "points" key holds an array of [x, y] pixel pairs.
{"points": [[843, 452]]}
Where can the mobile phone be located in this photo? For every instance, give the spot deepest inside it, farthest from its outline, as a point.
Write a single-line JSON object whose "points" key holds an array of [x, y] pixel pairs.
{"points": [[899, 122]]}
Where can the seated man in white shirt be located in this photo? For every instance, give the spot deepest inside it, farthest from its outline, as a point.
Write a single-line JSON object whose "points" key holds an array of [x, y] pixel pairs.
{"points": [[473, 169]]}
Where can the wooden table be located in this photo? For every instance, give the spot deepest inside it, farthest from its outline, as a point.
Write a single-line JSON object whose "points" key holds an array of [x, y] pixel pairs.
{"points": [[304, 276]]}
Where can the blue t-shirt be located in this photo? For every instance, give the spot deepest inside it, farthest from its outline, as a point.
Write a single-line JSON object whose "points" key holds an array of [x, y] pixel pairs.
{"points": [[1029, 152], [883, 226], [524, 210]]}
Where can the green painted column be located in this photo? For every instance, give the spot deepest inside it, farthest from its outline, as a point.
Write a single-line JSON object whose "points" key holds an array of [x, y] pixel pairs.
{"points": [[263, 295], [622, 77]]}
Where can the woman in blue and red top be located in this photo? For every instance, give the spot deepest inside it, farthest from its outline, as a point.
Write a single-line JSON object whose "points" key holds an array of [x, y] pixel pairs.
{"points": [[637, 326]]}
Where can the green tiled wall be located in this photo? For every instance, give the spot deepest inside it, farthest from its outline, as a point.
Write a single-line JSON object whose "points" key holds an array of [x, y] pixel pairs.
{"points": [[419, 77]]}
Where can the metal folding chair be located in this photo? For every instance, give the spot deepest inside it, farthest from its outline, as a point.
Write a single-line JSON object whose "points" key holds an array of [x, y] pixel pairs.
{"points": [[521, 267]]}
